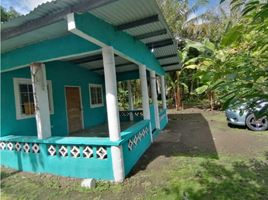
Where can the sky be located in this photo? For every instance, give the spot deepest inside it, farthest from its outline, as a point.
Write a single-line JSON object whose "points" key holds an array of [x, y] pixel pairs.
{"points": [[22, 6], [25, 6]]}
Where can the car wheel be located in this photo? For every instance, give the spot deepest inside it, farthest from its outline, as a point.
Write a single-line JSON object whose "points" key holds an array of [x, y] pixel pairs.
{"points": [[256, 125]]}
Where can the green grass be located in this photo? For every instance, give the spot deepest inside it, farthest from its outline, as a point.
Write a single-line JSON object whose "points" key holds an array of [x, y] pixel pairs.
{"points": [[179, 176], [227, 178], [185, 177]]}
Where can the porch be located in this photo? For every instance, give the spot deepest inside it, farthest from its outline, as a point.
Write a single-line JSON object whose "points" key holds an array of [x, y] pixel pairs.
{"points": [[84, 156], [126, 123], [90, 153], [35, 136]]}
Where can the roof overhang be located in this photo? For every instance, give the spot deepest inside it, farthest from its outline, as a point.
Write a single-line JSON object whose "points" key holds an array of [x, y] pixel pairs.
{"points": [[140, 19]]}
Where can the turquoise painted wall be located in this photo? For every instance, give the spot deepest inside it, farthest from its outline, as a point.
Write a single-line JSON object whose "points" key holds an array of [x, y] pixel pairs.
{"points": [[70, 166], [46, 50], [9, 124], [119, 40], [163, 119], [152, 116], [131, 156], [130, 75], [61, 74]]}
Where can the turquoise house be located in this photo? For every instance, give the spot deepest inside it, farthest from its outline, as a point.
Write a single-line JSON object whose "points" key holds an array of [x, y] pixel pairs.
{"points": [[60, 65]]}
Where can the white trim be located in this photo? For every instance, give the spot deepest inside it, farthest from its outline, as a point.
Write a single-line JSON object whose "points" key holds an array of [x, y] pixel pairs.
{"points": [[81, 104], [90, 97], [154, 98], [71, 22], [16, 82], [41, 100], [130, 100], [163, 92], [73, 29], [118, 163], [145, 96], [113, 113]]}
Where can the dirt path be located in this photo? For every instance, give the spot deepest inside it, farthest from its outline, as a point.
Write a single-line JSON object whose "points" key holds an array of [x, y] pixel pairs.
{"points": [[194, 132], [209, 132]]}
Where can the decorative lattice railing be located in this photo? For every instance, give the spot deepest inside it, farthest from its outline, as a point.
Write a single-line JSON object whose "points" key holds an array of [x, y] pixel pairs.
{"points": [[56, 150], [81, 157], [125, 115], [136, 140], [67, 156]]}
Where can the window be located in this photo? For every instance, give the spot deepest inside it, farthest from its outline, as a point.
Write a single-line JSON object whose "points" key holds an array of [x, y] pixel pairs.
{"points": [[24, 99], [96, 95]]}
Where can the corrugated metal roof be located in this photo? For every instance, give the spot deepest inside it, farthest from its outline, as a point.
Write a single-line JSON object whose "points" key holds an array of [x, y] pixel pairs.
{"points": [[40, 34], [117, 13], [40, 11]]}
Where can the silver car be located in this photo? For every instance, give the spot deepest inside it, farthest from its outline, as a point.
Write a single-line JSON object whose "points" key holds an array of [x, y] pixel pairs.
{"points": [[241, 114]]}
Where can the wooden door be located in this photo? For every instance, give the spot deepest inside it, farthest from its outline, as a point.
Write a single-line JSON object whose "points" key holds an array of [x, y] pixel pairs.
{"points": [[74, 108]]}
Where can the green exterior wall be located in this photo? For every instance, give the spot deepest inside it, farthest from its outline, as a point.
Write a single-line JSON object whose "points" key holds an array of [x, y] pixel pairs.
{"points": [[61, 74], [69, 166], [131, 156], [163, 119], [135, 141], [119, 40], [47, 50], [66, 74], [130, 75]]}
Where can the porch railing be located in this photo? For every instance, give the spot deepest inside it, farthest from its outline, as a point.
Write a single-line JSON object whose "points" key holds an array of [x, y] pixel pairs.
{"points": [[163, 118], [138, 116], [135, 141], [81, 157], [125, 115], [66, 156]]}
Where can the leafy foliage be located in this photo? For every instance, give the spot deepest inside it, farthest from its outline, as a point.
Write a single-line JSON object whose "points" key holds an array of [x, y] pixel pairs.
{"points": [[7, 15], [237, 67]]}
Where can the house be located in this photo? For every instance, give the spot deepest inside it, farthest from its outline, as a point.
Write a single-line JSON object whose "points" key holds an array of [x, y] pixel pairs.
{"points": [[60, 65]]}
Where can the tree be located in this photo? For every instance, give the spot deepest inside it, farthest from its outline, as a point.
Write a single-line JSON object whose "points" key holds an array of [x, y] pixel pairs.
{"points": [[180, 17], [237, 68], [8, 15], [186, 22]]}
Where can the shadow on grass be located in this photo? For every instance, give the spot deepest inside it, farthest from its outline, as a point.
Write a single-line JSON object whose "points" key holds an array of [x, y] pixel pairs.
{"points": [[4, 174], [235, 181], [185, 134]]}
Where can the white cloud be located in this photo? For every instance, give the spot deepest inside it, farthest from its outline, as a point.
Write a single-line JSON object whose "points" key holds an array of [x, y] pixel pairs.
{"points": [[24, 6], [31, 4]]}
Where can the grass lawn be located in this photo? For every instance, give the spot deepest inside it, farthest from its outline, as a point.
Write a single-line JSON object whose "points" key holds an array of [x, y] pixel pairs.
{"points": [[197, 157]]}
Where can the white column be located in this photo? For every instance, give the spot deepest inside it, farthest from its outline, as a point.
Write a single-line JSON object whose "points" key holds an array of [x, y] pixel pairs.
{"points": [[41, 103], [158, 85], [112, 112], [163, 92], [145, 96], [130, 100], [154, 98]]}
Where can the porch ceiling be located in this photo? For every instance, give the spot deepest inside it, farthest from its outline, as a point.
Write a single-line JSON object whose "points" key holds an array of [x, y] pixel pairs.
{"points": [[139, 18], [144, 21], [94, 63]]}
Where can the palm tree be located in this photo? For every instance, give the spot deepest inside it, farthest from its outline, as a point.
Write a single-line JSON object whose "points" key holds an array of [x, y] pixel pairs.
{"points": [[185, 20]]}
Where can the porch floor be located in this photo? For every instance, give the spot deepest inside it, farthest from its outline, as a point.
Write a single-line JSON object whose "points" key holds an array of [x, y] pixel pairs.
{"points": [[100, 130]]}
